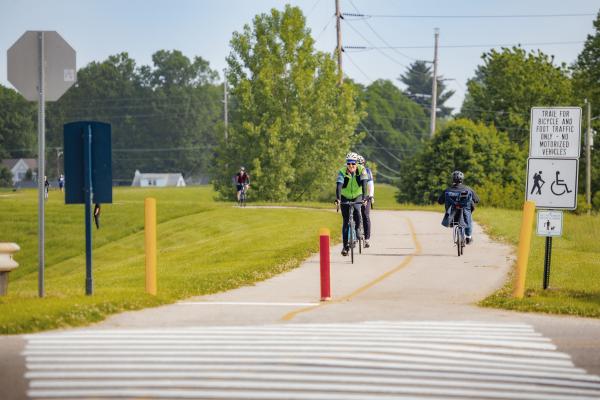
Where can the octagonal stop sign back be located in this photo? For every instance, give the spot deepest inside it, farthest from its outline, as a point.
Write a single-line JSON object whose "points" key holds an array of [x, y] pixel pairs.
{"points": [[59, 65]]}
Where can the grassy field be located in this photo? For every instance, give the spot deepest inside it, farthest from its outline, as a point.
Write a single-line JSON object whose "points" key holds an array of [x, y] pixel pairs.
{"points": [[575, 269], [207, 246], [203, 247]]}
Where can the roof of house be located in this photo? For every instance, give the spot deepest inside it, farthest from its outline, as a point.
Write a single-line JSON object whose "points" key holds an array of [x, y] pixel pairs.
{"points": [[11, 162], [171, 178]]}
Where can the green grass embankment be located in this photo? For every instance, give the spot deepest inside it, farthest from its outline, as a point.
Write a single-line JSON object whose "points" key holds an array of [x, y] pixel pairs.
{"points": [[203, 247], [575, 269]]}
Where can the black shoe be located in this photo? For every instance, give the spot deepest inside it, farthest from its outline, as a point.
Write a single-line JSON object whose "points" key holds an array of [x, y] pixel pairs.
{"points": [[469, 239], [367, 245], [345, 251]]}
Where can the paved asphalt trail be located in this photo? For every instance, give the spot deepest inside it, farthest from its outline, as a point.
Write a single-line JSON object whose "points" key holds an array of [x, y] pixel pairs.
{"points": [[401, 324]]}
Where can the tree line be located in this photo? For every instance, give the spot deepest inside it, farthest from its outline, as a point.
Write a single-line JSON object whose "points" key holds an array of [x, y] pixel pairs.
{"points": [[291, 122]]}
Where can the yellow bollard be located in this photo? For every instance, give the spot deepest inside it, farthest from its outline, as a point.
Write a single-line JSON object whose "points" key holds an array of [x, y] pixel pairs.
{"points": [[523, 252], [150, 239]]}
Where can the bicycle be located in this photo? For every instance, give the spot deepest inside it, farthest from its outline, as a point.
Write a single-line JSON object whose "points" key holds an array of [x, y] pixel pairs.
{"points": [[353, 235], [459, 201], [242, 201], [458, 231]]}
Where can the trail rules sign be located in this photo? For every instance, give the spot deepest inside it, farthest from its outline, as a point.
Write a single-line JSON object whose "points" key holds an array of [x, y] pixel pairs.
{"points": [[555, 132], [552, 183]]}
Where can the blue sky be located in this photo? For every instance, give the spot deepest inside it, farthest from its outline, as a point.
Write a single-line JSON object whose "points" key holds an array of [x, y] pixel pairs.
{"points": [[99, 28]]}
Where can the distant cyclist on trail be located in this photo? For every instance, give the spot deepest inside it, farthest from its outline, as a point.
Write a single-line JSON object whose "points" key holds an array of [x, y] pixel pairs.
{"points": [[370, 199], [469, 197], [351, 185], [242, 180]]}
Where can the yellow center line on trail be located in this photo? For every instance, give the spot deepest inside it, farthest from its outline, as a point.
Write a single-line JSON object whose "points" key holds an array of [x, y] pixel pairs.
{"points": [[289, 316]]}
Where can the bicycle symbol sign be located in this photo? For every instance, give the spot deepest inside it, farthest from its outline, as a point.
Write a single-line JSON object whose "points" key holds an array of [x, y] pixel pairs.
{"points": [[552, 183]]}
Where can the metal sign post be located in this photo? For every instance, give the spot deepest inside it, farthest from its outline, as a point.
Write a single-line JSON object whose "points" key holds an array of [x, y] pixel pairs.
{"points": [[88, 190], [547, 259], [41, 164], [552, 169], [549, 224], [88, 176], [41, 66]]}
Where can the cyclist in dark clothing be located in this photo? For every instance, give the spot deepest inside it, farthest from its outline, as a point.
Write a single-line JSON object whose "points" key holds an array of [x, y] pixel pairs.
{"points": [[454, 191], [241, 179], [351, 185]]}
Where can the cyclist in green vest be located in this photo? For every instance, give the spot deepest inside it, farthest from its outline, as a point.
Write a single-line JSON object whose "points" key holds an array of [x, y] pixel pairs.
{"points": [[351, 187]]}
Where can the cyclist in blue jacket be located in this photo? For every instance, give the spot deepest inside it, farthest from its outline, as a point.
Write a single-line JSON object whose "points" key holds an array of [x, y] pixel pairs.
{"points": [[454, 191]]}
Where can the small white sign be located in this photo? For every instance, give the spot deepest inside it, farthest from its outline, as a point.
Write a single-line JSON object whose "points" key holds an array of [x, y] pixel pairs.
{"points": [[555, 132], [552, 183], [69, 75], [549, 223]]}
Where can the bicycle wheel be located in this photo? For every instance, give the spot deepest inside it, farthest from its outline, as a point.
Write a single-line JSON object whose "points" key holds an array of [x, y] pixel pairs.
{"points": [[456, 238], [463, 240], [352, 242]]}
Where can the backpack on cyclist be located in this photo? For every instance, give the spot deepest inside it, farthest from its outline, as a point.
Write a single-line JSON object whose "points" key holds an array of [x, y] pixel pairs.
{"points": [[456, 200]]}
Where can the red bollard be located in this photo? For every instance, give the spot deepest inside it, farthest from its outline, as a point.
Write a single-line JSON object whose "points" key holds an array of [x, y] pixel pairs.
{"points": [[324, 251]]}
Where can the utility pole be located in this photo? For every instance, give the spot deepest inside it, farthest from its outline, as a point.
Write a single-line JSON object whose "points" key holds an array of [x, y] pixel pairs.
{"points": [[338, 17], [588, 158], [434, 83], [225, 101]]}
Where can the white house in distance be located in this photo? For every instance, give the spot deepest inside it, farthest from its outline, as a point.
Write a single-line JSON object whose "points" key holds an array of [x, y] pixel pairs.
{"points": [[158, 180], [19, 167]]}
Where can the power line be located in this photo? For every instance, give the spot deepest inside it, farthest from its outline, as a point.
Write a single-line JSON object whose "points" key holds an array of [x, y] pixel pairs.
{"points": [[456, 46], [359, 15], [377, 141], [374, 47], [379, 36], [358, 68], [325, 28]]}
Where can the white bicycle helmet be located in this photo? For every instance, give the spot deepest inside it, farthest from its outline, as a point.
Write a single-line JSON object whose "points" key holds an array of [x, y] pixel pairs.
{"points": [[351, 157], [361, 160]]}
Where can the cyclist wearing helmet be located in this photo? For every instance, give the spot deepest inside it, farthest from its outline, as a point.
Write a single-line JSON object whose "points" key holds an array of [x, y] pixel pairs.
{"points": [[366, 208], [241, 179], [351, 186], [456, 189]]}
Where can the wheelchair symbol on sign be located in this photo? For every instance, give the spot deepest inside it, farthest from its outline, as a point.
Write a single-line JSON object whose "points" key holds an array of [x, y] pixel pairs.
{"points": [[559, 183]]}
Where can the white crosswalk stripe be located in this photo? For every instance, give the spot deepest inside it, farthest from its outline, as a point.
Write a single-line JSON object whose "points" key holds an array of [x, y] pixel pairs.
{"points": [[369, 360]]}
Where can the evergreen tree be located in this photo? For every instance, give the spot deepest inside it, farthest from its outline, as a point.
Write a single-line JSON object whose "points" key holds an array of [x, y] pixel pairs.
{"points": [[418, 80]]}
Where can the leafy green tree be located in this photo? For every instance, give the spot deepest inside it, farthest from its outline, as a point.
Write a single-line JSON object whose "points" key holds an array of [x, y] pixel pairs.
{"points": [[18, 128], [586, 81], [107, 91], [394, 125], [509, 83], [188, 101], [293, 123], [162, 116], [492, 164], [418, 80]]}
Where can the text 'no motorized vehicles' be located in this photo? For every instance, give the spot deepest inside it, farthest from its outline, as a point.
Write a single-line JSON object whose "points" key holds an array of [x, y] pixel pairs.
{"points": [[555, 132]]}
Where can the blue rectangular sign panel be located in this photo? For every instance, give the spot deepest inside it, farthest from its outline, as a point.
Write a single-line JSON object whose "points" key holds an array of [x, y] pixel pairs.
{"points": [[101, 158]]}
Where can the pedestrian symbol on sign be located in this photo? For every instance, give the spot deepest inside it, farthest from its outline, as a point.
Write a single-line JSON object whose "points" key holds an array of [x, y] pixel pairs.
{"points": [[537, 178]]}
